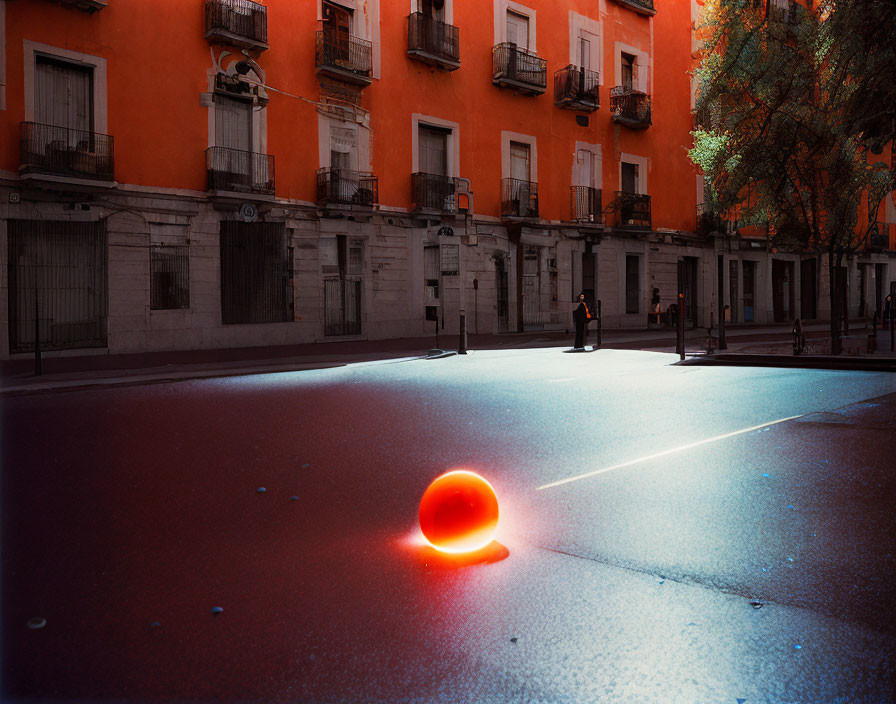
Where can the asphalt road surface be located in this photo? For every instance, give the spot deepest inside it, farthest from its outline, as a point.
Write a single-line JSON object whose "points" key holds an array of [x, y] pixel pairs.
{"points": [[667, 534]]}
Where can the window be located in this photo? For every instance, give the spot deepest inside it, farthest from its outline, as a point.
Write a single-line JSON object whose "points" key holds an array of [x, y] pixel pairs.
{"points": [[518, 29], [628, 71], [233, 123], [433, 8], [63, 95], [519, 161], [584, 51], [629, 178], [169, 267], [256, 273], [433, 150], [632, 284]]}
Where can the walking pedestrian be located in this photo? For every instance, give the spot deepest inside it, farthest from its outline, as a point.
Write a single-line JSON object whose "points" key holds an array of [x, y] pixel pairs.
{"points": [[581, 316]]}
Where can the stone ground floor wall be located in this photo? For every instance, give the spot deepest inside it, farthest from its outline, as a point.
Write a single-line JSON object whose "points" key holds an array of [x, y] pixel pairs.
{"points": [[502, 276]]}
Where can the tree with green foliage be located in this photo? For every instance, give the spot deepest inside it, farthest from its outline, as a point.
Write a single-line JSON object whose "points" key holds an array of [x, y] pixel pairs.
{"points": [[791, 118]]}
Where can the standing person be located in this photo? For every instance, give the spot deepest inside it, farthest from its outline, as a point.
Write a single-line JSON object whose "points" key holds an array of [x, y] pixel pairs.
{"points": [[581, 315], [655, 303]]}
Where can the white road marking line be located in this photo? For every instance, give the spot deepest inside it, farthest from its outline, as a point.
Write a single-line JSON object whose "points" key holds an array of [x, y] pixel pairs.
{"points": [[664, 452], [558, 381]]}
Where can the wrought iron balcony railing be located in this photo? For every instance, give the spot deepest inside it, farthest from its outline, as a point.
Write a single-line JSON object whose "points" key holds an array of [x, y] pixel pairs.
{"points": [[708, 221], [645, 7], [342, 186], [880, 236], [576, 88], [434, 191], [239, 171], [585, 204], [433, 42], [630, 107], [343, 56], [519, 198], [517, 68], [632, 210], [240, 22], [63, 151]]}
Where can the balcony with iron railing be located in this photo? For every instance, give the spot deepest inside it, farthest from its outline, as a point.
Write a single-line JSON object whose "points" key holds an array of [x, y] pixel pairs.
{"points": [[63, 151], [709, 222], [433, 42], [90, 6], [644, 7], [240, 23], [630, 107], [346, 187], [516, 68], [519, 199], [576, 89], [880, 236], [585, 204], [434, 192], [632, 210], [343, 57], [238, 171]]}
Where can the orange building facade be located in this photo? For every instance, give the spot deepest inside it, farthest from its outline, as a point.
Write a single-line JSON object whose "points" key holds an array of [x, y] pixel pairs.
{"points": [[223, 173]]}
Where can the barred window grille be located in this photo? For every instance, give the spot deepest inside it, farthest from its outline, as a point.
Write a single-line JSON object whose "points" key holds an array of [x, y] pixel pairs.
{"points": [[169, 283], [58, 286], [256, 273]]}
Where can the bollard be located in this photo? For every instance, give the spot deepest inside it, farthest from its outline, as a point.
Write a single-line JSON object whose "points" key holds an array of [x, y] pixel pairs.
{"points": [[462, 343], [598, 327]]}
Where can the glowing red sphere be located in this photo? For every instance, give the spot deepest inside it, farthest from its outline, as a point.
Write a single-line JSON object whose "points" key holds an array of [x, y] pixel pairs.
{"points": [[459, 512]]}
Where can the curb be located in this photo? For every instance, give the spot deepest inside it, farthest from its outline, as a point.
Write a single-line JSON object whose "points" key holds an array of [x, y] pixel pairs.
{"points": [[795, 362]]}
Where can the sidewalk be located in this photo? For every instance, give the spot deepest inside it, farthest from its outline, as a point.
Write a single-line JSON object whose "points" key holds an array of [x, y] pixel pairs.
{"points": [[102, 370]]}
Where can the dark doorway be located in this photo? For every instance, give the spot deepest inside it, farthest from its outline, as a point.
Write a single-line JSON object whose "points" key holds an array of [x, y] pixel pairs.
{"points": [[732, 290], [782, 290], [808, 289], [749, 270], [880, 273], [501, 289]]}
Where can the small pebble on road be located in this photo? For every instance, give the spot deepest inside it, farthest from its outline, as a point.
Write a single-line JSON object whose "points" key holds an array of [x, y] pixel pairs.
{"points": [[36, 622], [217, 610], [260, 490]]}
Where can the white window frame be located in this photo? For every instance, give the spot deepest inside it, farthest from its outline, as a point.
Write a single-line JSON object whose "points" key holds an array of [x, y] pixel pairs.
{"points": [[642, 163], [452, 146], [597, 165], [258, 116], [365, 25], [506, 139], [501, 8], [578, 24], [324, 123], [642, 61], [449, 9], [96, 63]]}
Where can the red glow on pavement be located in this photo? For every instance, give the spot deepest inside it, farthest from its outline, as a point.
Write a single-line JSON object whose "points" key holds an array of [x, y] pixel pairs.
{"points": [[459, 512]]}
